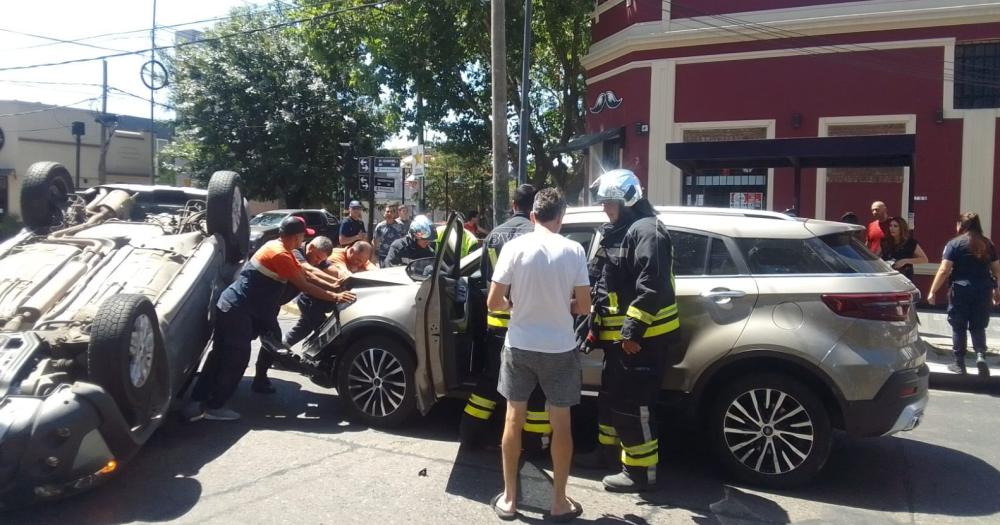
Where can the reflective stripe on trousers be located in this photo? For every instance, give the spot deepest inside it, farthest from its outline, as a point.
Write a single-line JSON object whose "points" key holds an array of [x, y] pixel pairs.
{"points": [[479, 407]]}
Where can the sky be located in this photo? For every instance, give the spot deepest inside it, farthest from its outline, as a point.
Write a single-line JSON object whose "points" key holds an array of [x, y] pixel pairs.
{"points": [[125, 24]]}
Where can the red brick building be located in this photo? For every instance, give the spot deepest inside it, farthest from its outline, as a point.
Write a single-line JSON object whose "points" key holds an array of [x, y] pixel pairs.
{"points": [[662, 71]]}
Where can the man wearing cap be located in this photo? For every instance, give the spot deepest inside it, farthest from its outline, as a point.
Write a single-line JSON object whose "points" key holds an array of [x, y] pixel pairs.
{"points": [[313, 311], [248, 308], [352, 229]]}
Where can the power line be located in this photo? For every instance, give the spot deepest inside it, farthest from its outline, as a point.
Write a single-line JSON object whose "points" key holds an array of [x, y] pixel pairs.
{"points": [[289, 23], [49, 108], [122, 34], [48, 83], [58, 40]]}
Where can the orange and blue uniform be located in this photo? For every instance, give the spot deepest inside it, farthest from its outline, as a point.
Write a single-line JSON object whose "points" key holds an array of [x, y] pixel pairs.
{"points": [[246, 309]]}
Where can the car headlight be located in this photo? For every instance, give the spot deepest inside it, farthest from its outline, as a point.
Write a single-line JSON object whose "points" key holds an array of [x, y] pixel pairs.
{"points": [[255, 236]]}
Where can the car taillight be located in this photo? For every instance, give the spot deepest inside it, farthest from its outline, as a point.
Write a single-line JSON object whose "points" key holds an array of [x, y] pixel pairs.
{"points": [[871, 306]]}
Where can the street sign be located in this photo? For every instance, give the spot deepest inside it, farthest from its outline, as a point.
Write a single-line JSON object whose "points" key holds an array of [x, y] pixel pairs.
{"points": [[364, 182], [387, 165], [388, 178], [365, 165]]}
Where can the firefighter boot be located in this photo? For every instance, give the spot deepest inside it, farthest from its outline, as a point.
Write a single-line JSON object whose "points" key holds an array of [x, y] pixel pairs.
{"points": [[628, 480]]}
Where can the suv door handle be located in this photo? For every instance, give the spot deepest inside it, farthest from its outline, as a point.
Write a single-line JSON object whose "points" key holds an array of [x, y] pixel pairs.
{"points": [[723, 295]]}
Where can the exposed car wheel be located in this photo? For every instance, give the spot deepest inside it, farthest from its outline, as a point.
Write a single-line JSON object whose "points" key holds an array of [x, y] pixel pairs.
{"points": [[771, 430], [126, 350], [227, 214], [375, 382], [44, 193]]}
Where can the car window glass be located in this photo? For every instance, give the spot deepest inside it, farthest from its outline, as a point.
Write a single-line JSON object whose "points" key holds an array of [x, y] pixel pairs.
{"points": [[330, 218], [720, 261], [689, 252], [314, 218], [848, 253], [584, 237], [782, 256], [267, 219]]}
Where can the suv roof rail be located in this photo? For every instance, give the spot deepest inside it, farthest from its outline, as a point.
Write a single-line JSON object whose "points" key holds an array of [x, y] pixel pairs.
{"points": [[732, 212], [736, 212]]}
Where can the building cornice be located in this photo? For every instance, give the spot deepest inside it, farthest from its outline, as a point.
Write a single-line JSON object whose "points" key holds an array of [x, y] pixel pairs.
{"points": [[853, 17]]}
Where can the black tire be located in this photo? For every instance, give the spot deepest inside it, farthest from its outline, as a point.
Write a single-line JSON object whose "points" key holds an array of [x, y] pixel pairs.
{"points": [[130, 377], [44, 195], [756, 442], [387, 403], [227, 214]]}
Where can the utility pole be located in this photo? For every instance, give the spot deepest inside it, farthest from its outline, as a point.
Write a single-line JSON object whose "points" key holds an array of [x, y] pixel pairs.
{"points": [[78, 130], [102, 166], [420, 142], [498, 60], [525, 134], [152, 100]]}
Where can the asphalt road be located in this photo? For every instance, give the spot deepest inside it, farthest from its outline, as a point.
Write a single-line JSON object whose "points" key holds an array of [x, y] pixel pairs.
{"points": [[293, 459]]}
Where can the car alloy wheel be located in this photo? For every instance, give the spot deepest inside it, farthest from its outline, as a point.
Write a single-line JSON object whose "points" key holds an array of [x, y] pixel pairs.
{"points": [[142, 346], [376, 382], [768, 431]]}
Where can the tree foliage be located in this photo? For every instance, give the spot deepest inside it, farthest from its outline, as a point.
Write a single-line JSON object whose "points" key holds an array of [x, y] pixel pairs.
{"points": [[260, 104], [440, 51], [458, 183]]}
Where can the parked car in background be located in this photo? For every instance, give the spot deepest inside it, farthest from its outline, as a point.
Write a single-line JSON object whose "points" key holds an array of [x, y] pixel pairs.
{"points": [[264, 226], [790, 329], [105, 310]]}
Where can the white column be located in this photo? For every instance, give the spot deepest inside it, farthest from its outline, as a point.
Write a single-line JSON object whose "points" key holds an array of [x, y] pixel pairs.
{"points": [[664, 179], [978, 152]]}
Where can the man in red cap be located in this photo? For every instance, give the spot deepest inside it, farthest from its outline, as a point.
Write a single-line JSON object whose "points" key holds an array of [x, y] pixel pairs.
{"points": [[312, 256], [248, 308]]}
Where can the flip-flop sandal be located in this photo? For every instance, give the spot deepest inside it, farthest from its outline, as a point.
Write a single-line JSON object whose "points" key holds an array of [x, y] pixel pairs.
{"points": [[505, 515], [568, 516]]}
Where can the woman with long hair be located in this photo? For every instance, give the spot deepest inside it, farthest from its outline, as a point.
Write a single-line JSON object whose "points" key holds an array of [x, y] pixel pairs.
{"points": [[970, 261], [901, 249]]}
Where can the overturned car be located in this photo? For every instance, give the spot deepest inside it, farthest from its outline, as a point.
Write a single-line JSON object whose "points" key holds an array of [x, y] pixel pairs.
{"points": [[105, 304]]}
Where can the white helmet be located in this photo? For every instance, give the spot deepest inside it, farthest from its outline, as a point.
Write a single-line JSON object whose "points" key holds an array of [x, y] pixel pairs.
{"points": [[422, 228], [621, 185]]}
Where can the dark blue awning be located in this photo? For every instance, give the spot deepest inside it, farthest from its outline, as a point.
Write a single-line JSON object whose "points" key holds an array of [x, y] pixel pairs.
{"points": [[812, 152]]}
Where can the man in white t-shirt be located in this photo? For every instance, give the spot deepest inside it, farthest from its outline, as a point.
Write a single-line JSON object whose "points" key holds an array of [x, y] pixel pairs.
{"points": [[541, 278]]}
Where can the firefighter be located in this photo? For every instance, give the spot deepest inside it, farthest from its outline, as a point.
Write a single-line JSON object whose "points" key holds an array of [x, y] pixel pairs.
{"points": [[484, 398], [635, 315], [414, 245]]}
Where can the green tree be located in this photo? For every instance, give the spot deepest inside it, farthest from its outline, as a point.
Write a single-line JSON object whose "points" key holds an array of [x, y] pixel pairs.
{"points": [[457, 183], [440, 51], [258, 103]]}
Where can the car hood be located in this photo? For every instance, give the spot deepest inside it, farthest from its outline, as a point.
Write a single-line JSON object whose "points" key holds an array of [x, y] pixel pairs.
{"points": [[386, 276], [258, 228]]}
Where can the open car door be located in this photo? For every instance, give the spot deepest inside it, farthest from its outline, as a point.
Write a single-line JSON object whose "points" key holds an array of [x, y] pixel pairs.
{"points": [[442, 324]]}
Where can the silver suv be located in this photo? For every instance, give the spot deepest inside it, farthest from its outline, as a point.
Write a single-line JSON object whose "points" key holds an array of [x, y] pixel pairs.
{"points": [[789, 329]]}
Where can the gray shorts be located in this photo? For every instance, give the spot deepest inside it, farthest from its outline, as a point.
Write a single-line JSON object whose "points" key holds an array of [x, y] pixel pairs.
{"points": [[559, 375]]}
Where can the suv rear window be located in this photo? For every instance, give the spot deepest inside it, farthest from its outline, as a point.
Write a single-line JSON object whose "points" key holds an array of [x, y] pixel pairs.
{"points": [[852, 253], [835, 253]]}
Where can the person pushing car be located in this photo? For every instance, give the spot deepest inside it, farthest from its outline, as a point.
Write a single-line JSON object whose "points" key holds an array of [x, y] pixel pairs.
{"points": [[245, 310], [635, 311]]}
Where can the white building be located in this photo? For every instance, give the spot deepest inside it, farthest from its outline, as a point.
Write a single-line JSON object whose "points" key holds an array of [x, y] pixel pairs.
{"points": [[32, 132]]}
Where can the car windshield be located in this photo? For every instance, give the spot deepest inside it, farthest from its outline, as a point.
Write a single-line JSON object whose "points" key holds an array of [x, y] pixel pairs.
{"points": [[267, 219]]}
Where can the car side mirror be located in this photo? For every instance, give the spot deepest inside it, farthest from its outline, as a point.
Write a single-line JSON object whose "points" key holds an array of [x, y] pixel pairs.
{"points": [[420, 269]]}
